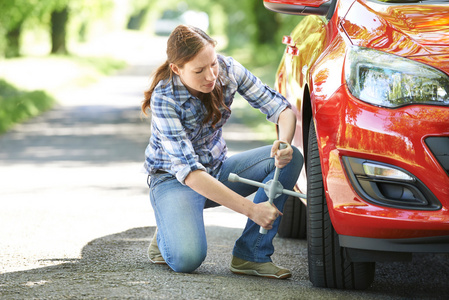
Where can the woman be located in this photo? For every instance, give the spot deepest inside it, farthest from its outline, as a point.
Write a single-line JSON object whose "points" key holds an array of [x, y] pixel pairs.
{"points": [[190, 99]]}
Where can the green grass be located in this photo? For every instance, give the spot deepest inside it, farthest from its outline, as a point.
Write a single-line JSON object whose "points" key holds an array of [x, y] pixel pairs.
{"points": [[104, 65], [24, 95], [17, 106]]}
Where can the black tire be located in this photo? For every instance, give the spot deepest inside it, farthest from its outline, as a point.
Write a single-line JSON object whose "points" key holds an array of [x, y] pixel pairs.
{"points": [[293, 223], [328, 266]]}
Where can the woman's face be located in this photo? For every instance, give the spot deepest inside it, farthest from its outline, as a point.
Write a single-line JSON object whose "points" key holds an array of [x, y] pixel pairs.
{"points": [[199, 74]]}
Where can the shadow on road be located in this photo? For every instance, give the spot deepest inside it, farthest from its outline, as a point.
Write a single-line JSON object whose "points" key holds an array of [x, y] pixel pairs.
{"points": [[116, 266], [87, 134]]}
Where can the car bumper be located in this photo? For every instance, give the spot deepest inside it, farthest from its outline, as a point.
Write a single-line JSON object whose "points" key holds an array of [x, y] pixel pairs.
{"points": [[434, 244], [347, 127]]}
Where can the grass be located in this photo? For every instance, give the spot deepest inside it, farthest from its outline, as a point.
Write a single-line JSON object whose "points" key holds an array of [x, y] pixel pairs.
{"points": [[104, 65], [17, 105], [27, 84]]}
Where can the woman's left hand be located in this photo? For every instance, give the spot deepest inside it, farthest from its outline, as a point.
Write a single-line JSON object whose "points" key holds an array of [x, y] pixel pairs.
{"points": [[281, 157]]}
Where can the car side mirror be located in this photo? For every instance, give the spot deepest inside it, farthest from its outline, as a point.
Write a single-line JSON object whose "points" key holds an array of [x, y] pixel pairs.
{"points": [[300, 7]]}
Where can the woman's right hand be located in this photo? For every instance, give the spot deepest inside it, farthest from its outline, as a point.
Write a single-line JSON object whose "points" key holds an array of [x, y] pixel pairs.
{"points": [[265, 214]]}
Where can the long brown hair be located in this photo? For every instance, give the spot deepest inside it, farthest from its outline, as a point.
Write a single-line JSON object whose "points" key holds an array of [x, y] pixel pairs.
{"points": [[183, 44]]}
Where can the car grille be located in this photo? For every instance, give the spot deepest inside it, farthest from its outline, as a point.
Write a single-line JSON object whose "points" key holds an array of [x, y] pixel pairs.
{"points": [[440, 149]]}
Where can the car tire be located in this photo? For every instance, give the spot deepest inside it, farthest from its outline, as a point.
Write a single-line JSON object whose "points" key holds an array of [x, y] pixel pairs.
{"points": [[328, 266], [293, 222]]}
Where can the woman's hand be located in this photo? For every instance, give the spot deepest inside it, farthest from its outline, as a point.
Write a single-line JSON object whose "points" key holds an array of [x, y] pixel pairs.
{"points": [[265, 214], [281, 157]]}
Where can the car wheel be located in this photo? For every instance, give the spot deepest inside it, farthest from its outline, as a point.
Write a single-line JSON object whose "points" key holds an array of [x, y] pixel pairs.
{"points": [[293, 222], [328, 266]]}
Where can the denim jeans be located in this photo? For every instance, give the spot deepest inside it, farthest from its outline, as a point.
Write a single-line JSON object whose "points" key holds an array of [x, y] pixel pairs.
{"points": [[179, 210]]}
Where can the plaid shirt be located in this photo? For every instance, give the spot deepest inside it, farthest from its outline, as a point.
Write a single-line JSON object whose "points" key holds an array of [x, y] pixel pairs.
{"points": [[180, 143]]}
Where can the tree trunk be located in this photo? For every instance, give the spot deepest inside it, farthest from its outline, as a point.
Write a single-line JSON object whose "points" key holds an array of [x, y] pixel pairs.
{"points": [[266, 23], [59, 20], [136, 20], [13, 41]]}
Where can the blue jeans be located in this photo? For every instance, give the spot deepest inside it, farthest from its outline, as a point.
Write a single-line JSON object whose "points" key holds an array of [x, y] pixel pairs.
{"points": [[179, 210]]}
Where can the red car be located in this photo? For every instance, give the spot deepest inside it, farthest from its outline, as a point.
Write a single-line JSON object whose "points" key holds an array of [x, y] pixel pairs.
{"points": [[368, 80]]}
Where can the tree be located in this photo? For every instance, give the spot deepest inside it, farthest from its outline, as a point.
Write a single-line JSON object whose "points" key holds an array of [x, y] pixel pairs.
{"points": [[139, 11], [267, 25], [59, 18], [12, 48], [14, 14]]}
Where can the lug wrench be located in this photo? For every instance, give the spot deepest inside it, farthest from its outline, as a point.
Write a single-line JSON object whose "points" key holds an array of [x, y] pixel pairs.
{"points": [[272, 188]]}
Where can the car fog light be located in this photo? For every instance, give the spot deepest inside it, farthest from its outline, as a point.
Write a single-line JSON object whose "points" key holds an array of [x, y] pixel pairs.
{"points": [[385, 172], [388, 185]]}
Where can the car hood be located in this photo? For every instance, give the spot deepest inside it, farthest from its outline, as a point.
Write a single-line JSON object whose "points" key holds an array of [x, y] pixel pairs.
{"points": [[406, 30]]}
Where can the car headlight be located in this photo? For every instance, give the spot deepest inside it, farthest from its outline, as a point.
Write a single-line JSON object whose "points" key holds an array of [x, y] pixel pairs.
{"points": [[388, 80]]}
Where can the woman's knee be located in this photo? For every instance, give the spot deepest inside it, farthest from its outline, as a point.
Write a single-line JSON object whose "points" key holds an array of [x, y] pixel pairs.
{"points": [[297, 161], [293, 168], [297, 158], [186, 260]]}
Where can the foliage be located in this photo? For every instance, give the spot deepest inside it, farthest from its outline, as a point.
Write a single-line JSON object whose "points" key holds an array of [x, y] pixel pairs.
{"points": [[252, 32], [17, 106], [246, 25], [14, 15], [104, 65], [246, 30], [17, 14], [138, 11], [253, 36]]}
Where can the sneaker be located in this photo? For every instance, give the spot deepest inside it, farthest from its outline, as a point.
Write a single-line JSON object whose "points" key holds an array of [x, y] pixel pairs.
{"points": [[154, 254], [268, 269]]}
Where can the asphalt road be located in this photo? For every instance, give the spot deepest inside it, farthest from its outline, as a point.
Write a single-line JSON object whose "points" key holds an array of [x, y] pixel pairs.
{"points": [[75, 218]]}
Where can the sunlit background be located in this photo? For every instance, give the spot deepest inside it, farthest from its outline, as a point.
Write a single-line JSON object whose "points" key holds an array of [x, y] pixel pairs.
{"points": [[72, 75], [51, 44]]}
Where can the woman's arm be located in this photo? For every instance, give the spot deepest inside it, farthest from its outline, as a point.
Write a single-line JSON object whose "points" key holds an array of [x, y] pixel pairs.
{"points": [[264, 214], [287, 126]]}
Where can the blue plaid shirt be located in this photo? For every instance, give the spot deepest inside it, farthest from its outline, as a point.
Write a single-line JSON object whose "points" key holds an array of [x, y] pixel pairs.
{"points": [[180, 143]]}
